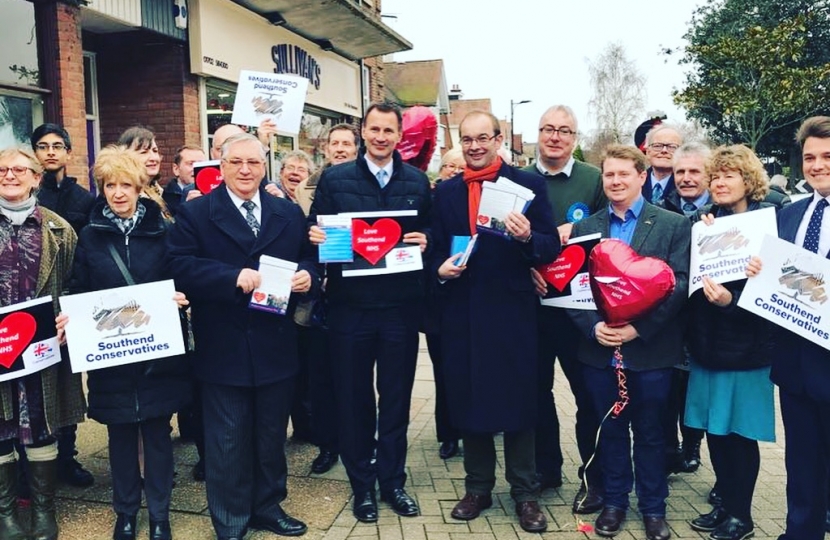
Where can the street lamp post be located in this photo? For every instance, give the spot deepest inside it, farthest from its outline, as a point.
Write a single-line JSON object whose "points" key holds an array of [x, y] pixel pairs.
{"points": [[513, 105]]}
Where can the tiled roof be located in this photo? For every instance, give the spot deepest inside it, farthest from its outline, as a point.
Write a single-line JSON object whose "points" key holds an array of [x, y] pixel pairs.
{"points": [[414, 83]]}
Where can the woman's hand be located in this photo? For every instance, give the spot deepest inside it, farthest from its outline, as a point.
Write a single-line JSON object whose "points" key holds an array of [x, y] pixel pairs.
{"points": [[753, 267], [60, 325], [181, 299], [716, 293], [708, 219]]}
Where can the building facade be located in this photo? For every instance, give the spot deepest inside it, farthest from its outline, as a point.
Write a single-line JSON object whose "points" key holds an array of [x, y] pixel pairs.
{"points": [[101, 66]]}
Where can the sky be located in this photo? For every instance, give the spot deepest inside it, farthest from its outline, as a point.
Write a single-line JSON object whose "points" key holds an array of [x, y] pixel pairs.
{"points": [[539, 50]]}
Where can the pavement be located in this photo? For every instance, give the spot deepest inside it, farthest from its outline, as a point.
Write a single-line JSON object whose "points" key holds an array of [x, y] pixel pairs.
{"points": [[323, 501]]}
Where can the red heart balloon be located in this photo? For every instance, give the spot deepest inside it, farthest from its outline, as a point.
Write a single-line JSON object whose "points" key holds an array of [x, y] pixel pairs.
{"points": [[561, 271], [625, 285], [374, 241], [16, 332], [207, 179]]}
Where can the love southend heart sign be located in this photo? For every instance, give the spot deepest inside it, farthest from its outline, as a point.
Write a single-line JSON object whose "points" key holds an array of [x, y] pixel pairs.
{"points": [[378, 246], [567, 277], [28, 338]]}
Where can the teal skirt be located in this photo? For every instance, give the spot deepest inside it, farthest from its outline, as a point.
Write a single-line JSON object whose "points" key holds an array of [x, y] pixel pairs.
{"points": [[724, 402]]}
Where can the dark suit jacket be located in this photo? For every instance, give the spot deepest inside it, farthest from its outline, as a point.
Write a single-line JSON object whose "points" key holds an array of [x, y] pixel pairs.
{"points": [[208, 246], [799, 366], [488, 314], [667, 236], [647, 186]]}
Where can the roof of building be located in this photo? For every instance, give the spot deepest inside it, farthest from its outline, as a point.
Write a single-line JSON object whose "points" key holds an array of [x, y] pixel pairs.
{"points": [[414, 83], [459, 108]]}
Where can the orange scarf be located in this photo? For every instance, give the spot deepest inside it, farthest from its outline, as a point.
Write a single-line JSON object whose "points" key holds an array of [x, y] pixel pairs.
{"points": [[473, 180]]}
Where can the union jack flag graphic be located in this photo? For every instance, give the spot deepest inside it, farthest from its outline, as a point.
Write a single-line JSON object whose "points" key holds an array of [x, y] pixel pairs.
{"points": [[41, 349]]}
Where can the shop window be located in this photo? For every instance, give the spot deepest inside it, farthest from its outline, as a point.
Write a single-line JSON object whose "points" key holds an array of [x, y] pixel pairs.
{"points": [[19, 114], [18, 45]]}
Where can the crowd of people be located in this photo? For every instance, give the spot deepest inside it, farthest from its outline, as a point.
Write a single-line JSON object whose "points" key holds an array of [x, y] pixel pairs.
{"points": [[341, 363]]}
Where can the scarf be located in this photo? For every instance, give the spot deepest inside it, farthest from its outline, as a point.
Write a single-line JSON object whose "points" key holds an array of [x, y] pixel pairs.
{"points": [[125, 225], [18, 212], [473, 179]]}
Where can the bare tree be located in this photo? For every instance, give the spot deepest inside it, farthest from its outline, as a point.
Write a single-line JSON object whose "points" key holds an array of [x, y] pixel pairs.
{"points": [[619, 94]]}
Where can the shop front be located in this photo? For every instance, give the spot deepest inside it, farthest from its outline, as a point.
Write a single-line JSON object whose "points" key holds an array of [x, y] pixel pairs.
{"points": [[226, 38]]}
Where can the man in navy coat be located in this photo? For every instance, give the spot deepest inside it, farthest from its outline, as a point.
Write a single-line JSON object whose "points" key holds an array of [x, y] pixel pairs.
{"points": [[800, 368], [487, 312], [246, 359]]}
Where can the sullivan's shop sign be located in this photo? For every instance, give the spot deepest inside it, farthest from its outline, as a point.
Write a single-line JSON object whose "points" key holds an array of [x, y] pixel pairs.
{"points": [[297, 61]]}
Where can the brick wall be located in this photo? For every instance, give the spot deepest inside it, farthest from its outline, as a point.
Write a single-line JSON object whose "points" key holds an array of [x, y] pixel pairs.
{"points": [[145, 79], [62, 67]]}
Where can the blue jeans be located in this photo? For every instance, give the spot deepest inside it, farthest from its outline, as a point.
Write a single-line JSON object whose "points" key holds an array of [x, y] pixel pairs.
{"points": [[644, 414]]}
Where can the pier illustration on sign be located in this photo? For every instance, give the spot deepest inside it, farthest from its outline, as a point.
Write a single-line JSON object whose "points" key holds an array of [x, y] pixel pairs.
{"points": [[713, 246], [802, 284], [119, 314], [266, 103]]}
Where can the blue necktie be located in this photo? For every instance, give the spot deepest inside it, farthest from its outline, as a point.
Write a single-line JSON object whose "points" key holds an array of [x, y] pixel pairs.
{"points": [[382, 177], [689, 208], [814, 226], [656, 194], [250, 217]]}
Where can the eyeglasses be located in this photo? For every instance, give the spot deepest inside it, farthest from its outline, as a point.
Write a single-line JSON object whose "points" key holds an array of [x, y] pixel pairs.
{"points": [[563, 131], [17, 171], [238, 163], [481, 140], [663, 146], [292, 168], [44, 147]]}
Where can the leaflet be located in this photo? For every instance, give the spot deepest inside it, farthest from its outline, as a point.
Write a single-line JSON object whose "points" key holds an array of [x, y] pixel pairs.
{"points": [[273, 293], [498, 199]]}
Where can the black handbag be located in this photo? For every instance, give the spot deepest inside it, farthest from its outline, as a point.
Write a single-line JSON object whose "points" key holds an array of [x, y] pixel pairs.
{"points": [[172, 366]]}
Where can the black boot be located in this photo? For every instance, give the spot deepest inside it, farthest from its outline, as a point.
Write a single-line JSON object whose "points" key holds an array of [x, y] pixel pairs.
{"points": [[691, 457], [9, 525], [42, 478]]}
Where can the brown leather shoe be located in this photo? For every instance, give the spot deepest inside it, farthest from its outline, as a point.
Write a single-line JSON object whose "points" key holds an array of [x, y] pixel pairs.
{"points": [[587, 501], [656, 528], [609, 521], [531, 517], [471, 506]]}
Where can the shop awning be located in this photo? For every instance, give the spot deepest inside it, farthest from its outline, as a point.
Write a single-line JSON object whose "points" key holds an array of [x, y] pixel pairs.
{"points": [[349, 27]]}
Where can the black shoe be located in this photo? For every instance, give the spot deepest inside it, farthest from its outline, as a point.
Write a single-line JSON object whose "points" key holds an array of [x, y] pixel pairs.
{"points": [[324, 462], [691, 458], [160, 530], [199, 471], [401, 502], [73, 473], [552, 481], [709, 522], [714, 498], [282, 524], [587, 501], [124, 528], [609, 522], [448, 449], [733, 529], [365, 507]]}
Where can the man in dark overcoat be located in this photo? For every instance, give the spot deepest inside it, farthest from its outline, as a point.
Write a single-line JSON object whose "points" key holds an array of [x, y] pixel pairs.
{"points": [[487, 313], [246, 359]]}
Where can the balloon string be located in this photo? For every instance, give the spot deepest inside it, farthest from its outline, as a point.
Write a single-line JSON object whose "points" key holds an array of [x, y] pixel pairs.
{"points": [[622, 388]]}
